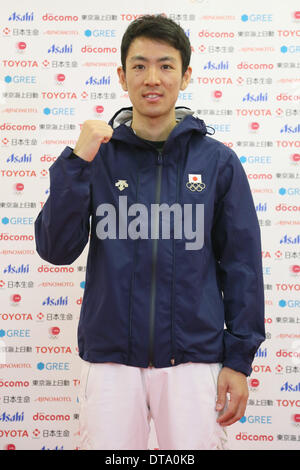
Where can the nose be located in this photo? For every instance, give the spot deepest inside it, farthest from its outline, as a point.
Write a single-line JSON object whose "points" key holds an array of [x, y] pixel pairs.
{"points": [[152, 77]]}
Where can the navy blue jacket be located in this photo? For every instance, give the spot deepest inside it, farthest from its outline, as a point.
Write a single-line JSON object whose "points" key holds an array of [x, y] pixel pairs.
{"points": [[151, 301]]}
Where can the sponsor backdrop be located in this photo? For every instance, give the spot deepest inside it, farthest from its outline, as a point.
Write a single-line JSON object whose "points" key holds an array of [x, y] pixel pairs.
{"points": [[58, 68]]}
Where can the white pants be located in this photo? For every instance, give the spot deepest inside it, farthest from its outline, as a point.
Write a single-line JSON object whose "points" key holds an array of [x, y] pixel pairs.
{"points": [[117, 402]]}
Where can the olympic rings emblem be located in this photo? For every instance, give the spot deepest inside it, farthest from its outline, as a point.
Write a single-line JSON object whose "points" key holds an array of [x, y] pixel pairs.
{"points": [[195, 186]]}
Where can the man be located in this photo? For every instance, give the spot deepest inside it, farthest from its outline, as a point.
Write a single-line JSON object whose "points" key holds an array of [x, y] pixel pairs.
{"points": [[151, 330]]}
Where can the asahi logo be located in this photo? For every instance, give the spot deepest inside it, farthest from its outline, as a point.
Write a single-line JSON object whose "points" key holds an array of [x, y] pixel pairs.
{"points": [[66, 49], [24, 17]]}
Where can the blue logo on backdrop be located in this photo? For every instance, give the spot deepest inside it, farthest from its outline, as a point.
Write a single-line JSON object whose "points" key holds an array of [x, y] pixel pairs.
{"points": [[58, 301], [289, 191], [290, 240], [98, 81], [18, 220], [60, 49], [16, 17], [292, 49], [287, 387], [250, 97], [25, 158], [289, 303], [104, 33], [216, 65], [257, 17], [20, 79], [11, 269], [59, 111], [289, 129]]}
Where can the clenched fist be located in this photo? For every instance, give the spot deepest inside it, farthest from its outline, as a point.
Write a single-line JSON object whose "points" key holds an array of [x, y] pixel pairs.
{"points": [[92, 135]]}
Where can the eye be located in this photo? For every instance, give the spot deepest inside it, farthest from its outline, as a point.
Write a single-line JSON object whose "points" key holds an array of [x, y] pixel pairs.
{"points": [[139, 65]]}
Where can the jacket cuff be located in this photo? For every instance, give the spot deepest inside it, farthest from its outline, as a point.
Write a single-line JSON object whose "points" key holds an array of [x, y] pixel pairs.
{"points": [[69, 154], [238, 366]]}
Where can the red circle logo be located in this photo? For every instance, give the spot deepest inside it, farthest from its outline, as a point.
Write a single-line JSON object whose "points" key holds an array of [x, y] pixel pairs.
{"points": [[19, 186], [16, 297], [55, 330], [10, 447], [254, 382]]}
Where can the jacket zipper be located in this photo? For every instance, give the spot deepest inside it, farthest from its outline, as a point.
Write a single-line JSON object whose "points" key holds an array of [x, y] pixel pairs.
{"points": [[154, 262]]}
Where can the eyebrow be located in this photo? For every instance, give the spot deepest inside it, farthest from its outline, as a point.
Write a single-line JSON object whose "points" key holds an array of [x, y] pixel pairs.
{"points": [[162, 59]]}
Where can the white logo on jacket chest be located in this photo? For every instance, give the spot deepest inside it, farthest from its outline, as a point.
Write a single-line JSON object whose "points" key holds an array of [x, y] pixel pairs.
{"points": [[195, 183], [121, 184]]}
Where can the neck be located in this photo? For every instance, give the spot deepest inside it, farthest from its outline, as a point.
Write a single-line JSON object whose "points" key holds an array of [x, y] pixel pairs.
{"points": [[153, 128]]}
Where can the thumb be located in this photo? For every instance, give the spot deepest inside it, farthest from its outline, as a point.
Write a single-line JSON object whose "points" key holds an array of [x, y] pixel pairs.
{"points": [[221, 398]]}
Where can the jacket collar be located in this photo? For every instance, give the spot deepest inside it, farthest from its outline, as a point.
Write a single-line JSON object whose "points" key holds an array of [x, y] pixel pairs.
{"points": [[187, 119]]}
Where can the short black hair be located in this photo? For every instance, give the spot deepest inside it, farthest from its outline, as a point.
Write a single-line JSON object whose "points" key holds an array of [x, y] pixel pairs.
{"points": [[160, 28]]}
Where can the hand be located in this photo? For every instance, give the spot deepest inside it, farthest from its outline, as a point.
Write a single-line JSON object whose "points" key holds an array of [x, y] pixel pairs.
{"points": [[234, 383], [93, 134]]}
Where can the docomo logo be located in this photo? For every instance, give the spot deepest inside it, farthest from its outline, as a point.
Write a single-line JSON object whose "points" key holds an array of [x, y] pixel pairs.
{"points": [[244, 436], [50, 17], [260, 176], [11, 383], [97, 50], [13, 237], [17, 127], [285, 207], [206, 34], [285, 97], [55, 269], [48, 158], [294, 355], [246, 66], [43, 417]]}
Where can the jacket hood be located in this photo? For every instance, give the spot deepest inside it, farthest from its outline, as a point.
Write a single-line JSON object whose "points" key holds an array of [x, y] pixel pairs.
{"points": [[191, 119]]}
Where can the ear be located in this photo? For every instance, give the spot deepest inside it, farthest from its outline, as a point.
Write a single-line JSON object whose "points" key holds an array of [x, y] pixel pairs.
{"points": [[186, 78], [122, 78]]}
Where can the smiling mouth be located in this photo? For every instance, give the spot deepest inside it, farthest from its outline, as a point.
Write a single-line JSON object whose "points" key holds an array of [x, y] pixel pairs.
{"points": [[152, 97]]}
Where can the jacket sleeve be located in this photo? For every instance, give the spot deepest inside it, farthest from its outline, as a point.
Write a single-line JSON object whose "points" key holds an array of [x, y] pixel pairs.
{"points": [[62, 226], [237, 245]]}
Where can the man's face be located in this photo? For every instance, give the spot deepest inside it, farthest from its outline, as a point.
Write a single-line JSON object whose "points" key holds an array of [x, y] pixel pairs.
{"points": [[153, 67]]}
